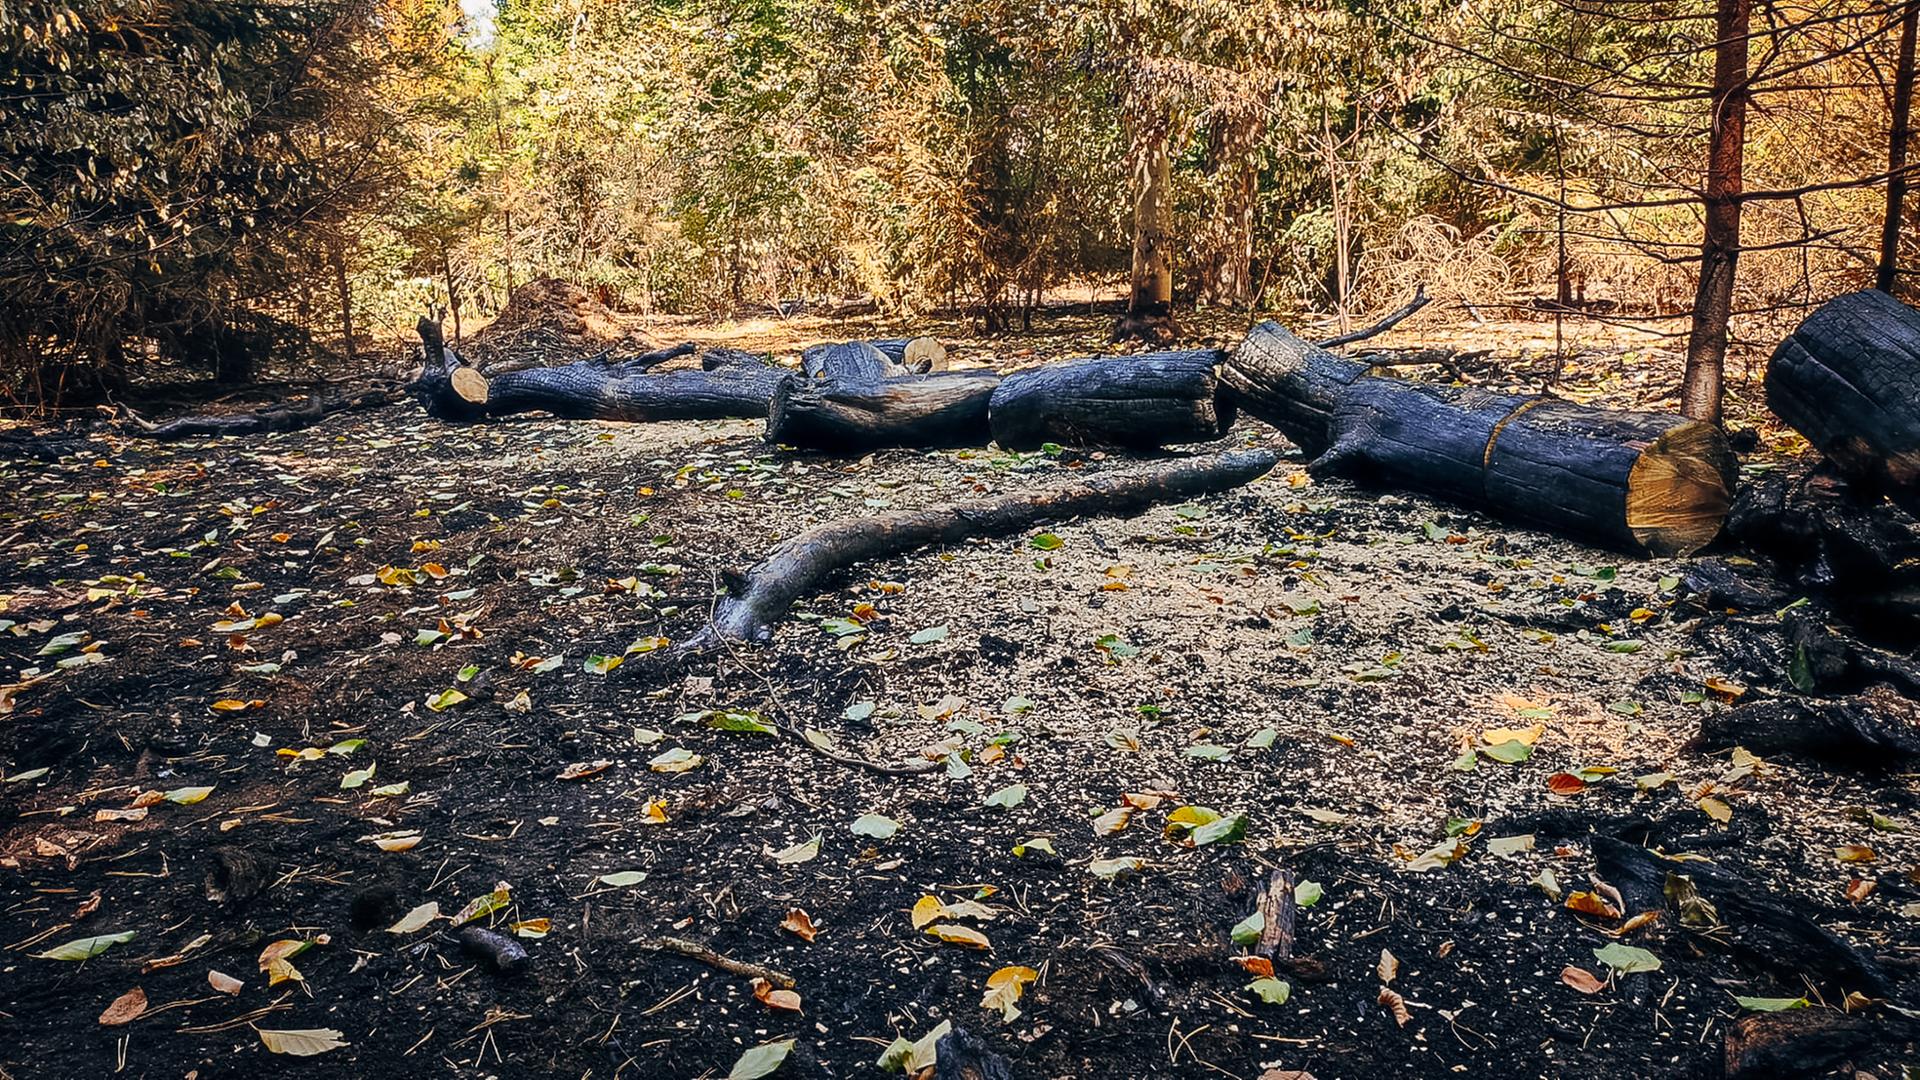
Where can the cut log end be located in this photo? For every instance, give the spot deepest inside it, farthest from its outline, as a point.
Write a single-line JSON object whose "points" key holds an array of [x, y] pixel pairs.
{"points": [[1680, 489], [924, 355], [470, 385]]}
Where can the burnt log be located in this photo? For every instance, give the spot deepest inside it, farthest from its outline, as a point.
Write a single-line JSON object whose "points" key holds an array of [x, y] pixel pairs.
{"points": [[1804, 1042], [942, 410], [1834, 542], [1849, 380], [1761, 925], [596, 389], [271, 420], [1878, 728], [1140, 402], [884, 358], [1652, 483], [759, 598]]}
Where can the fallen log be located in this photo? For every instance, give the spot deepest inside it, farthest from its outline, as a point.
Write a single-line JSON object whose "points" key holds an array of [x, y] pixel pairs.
{"points": [[946, 409], [1825, 537], [1144, 401], [1803, 1042], [1878, 727], [1759, 924], [449, 389], [759, 598], [1849, 380], [272, 419], [1646, 482], [881, 359]]}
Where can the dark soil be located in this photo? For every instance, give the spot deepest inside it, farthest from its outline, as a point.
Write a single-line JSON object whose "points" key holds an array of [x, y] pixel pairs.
{"points": [[1376, 637]]}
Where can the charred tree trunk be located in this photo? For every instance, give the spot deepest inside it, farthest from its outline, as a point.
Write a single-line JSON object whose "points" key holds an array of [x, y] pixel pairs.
{"points": [[593, 389], [1700, 388], [1647, 482], [758, 599], [1858, 553], [1154, 399], [1887, 274], [947, 409], [1849, 380]]}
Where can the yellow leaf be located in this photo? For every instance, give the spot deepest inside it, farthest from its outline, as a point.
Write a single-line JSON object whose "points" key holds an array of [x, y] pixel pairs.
{"points": [[1587, 903], [1004, 987], [927, 910], [960, 935], [302, 1043], [1527, 735], [1853, 853], [1717, 810]]}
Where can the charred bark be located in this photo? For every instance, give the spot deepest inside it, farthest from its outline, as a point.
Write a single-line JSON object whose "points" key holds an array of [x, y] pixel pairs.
{"points": [[1154, 399], [943, 410], [1849, 380], [1645, 482], [592, 389], [759, 598], [1878, 728], [1858, 554], [273, 419]]}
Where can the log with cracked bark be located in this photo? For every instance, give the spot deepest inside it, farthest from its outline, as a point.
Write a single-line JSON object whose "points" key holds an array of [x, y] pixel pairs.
{"points": [[1142, 401], [1653, 483], [273, 419], [1831, 540], [1849, 380], [759, 599], [857, 414], [740, 386]]}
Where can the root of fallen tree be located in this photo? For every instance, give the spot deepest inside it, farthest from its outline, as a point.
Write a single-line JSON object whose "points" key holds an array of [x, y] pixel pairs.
{"points": [[758, 599]]}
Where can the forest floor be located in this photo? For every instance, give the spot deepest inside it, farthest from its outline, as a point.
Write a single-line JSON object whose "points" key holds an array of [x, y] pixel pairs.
{"points": [[414, 662]]}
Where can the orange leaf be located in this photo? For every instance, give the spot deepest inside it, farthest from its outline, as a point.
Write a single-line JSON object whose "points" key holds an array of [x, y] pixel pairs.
{"points": [[1562, 783], [126, 1008], [1395, 1004], [1581, 979], [1587, 903], [764, 992], [1257, 966], [800, 923]]}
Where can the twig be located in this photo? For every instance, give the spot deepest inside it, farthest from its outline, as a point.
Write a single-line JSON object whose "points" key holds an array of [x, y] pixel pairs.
{"points": [[728, 964], [1419, 301]]}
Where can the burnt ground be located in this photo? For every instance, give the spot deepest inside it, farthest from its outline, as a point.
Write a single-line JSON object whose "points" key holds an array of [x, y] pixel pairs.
{"points": [[1321, 659]]}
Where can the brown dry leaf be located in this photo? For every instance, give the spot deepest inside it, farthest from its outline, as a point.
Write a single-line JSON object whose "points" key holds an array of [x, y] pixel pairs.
{"points": [[1396, 1005], [960, 935], [1859, 889], [88, 906], [1112, 821], [799, 923], [1634, 923], [224, 983], [125, 1009], [1581, 979], [1851, 853], [1389, 966], [138, 813], [148, 798], [580, 770], [280, 970], [305, 1042], [1143, 800], [765, 994], [1565, 784], [1258, 966], [1717, 810], [1587, 903]]}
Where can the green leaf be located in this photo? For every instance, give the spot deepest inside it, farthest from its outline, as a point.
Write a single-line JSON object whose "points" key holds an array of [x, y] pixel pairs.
{"points": [[1208, 752], [930, 635], [877, 826], [1116, 646], [358, 777], [1017, 704], [1227, 830], [1625, 707], [761, 1061], [841, 627], [1248, 930], [859, 711], [1262, 739], [806, 851], [1771, 1004], [1271, 990], [1800, 670], [1039, 843], [722, 720], [1511, 752], [1626, 959], [85, 948], [1467, 761], [1046, 541], [1008, 797], [621, 879], [1307, 893], [600, 665]]}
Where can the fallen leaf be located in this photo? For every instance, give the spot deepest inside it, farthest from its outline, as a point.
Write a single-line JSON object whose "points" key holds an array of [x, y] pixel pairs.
{"points": [[1271, 990], [1717, 810], [1581, 979], [960, 935], [798, 853], [1854, 853], [764, 993], [580, 770], [1396, 1005], [302, 1043], [417, 918], [927, 910], [1565, 784], [1389, 966], [1004, 988], [125, 1009], [1258, 966], [761, 1061], [798, 922], [85, 948], [224, 983], [1587, 903]]}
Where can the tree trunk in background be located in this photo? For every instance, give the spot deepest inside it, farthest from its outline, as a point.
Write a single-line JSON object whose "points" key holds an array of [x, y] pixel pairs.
{"points": [[1150, 300], [1889, 269], [345, 289], [1700, 389], [453, 292], [1226, 275]]}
